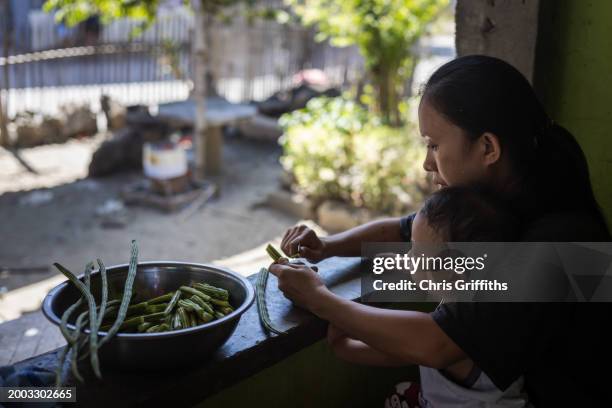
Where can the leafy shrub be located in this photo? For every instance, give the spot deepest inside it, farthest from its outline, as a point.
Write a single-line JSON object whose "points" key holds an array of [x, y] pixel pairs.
{"points": [[335, 150]]}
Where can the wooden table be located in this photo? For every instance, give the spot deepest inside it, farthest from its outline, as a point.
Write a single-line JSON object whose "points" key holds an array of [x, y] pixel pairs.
{"points": [[219, 113]]}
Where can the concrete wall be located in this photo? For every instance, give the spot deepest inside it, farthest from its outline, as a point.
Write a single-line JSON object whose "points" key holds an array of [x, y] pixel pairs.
{"points": [[505, 29], [573, 75], [314, 377]]}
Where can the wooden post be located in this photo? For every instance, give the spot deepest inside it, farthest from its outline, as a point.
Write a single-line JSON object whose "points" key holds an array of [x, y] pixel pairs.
{"points": [[8, 15], [4, 139], [214, 143], [200, 60]]}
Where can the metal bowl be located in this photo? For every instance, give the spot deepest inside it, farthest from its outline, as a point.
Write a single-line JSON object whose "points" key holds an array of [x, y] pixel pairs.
{"points": [[133, 351]]}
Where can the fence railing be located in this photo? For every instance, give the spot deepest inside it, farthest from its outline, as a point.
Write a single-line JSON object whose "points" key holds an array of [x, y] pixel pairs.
{"points": [[248, 61]]}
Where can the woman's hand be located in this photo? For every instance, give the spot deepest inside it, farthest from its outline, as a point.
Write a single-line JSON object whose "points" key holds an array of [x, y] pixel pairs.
{"points": [[303, 241], [299, 283]]}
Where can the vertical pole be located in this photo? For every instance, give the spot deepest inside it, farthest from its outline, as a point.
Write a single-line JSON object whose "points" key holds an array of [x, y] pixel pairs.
{"points": [[8, 15], [199, 81], [4, 140]]}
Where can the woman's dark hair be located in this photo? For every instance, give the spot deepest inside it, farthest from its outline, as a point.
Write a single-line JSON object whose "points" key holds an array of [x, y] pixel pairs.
{"points": [[470, 214], [485, 94]]}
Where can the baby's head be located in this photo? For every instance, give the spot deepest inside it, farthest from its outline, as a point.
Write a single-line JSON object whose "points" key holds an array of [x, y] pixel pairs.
{"points": [[463, 214]]}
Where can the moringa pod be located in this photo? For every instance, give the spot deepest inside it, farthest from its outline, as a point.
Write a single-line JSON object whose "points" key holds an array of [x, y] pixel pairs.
{"points": [[212, 291], [144, 327], [192, 291], [173, 302], [204, 305], [161, 299], [221, 303]]}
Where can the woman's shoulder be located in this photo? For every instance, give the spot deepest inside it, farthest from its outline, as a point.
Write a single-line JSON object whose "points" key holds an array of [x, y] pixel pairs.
{"points": [[566, 226]]}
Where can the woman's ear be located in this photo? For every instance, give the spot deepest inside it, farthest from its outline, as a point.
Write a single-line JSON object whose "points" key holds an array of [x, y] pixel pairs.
{"points": [[491, 148]]}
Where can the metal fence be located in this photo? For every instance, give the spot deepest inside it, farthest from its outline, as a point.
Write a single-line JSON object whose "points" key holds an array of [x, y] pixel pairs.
{"points": [[248, 61]]}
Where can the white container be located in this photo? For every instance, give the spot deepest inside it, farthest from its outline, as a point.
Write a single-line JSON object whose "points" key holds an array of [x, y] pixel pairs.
{"points": [[164, 161]]}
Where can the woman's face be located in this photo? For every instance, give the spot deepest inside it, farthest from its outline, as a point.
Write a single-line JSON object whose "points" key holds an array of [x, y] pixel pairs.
{"points": [[452, 158]]}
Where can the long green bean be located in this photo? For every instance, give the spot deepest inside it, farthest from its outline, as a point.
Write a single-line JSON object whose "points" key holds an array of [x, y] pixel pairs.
{"points": [[64, 326], [76, 342], [112, 306], [103, 302], [75, 305], [80, 340], [262, 281], [93, 337], [60, 366], [127, 294]]}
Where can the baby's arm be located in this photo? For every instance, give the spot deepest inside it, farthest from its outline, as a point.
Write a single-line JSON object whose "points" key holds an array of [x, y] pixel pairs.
{"points": [[356, 351]]}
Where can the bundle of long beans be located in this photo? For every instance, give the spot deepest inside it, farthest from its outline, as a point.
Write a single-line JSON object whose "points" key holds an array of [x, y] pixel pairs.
{"points": [[188, 306], [77, 340]]}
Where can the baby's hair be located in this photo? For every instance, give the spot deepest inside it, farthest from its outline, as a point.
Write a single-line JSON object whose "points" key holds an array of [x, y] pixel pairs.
{"points": [[471, 214]]}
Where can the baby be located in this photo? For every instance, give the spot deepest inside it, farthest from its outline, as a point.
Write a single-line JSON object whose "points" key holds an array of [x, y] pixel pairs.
{"points": [[453, 214], [459, 214]]}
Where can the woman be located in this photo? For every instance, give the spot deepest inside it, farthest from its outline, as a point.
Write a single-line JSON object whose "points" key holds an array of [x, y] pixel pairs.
{"points": [[482, 124]]}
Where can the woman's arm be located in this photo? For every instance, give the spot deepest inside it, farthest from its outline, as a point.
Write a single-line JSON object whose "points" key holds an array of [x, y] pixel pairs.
{"points": [[410, 337], [347, 243], [356, 351]]}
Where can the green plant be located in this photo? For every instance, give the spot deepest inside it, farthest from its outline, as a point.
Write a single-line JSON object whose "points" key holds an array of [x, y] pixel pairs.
{"points": [[385, 32], [73, 12], [336, 150]]}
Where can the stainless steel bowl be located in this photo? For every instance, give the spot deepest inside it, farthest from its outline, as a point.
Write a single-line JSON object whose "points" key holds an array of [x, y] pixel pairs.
{"points": [[160, 350]]}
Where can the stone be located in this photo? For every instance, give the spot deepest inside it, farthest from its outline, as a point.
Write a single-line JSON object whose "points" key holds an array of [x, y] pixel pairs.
{"points": [[79, 121], [122, 152], [261, 127], [335, 216], [27, 131], [28, 136], [290, 203], [52, 131], [116, 114], [34, 130]]}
